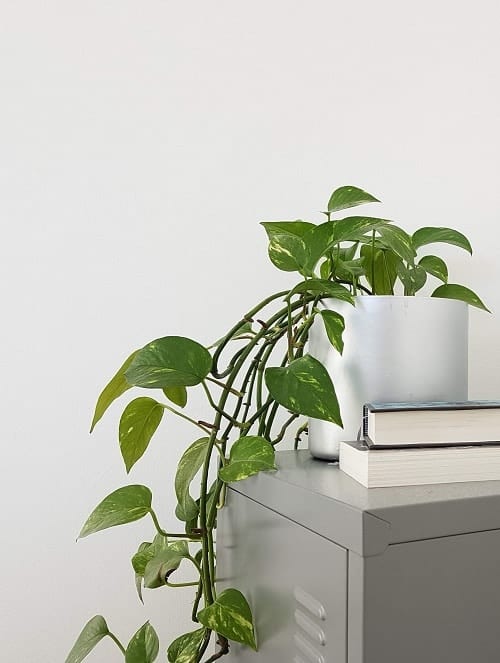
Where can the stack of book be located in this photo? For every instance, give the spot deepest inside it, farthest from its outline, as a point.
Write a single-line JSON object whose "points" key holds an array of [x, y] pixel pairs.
{"points": [[407, 444]]}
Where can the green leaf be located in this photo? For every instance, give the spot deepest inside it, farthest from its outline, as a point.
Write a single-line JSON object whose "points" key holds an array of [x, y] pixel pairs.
{"points": [[249, 455], [380, 269], [120, 507], [172, 361], [189, 465], [317, 240], [177, 395], [164, 563], [138, 423], [334, 327], [435, 266], [349, 196], [297, 228], [144, 646], [413, 278], [430, 235], [230, 616], [455, 291], [92, 633], [287, 252], [117, 386], [305, 387], [353, 228], [138, 576], [397, 240], [322, 288], [147, 551], [185, 648]]}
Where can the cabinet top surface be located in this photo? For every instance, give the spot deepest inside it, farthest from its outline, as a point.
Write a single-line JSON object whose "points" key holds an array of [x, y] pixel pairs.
{"points": [[299, 469], [317, 495]]}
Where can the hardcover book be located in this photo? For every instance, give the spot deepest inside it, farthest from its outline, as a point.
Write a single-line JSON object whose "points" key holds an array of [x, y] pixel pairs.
{"points": [[377, 468], [423, 424]]}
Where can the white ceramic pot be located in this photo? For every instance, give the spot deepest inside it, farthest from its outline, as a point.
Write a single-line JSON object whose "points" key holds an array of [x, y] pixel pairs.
{"points": [[395, 349]]}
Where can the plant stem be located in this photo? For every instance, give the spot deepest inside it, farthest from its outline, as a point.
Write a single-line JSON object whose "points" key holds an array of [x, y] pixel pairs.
{"points": [[222, 385], [184, 416], [117, 642], [215, 407], [181, 584]]}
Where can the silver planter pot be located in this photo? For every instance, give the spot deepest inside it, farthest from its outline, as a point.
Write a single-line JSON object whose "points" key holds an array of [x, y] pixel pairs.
{"points": [[395, 349]]}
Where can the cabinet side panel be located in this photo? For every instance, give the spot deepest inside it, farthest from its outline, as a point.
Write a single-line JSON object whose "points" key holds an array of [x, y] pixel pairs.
{"points": [[434, 600], [295, 582], [355, 608]]}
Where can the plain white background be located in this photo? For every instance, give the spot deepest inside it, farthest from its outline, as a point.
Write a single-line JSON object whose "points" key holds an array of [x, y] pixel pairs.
{"points": [[141, 143]]}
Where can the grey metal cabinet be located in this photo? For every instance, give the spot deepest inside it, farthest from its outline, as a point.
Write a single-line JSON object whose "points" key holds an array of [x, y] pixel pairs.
{"points": [[337, 573]]}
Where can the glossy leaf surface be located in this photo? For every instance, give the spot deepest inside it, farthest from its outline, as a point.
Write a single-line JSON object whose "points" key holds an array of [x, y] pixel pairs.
{"points": [[189, 465], [185, 648], [352, 228], [230, 616], [287, 252], [430, 235], [455, 291], [413, 278], [397, 240], [297, 228], [171, 361], [138, 423], [165, 562], [435, 266], [334, 328], [147, 551], [177, 395], [124, 505], [117, 386], [144, 646], [305, 387], [349, 196], [249, 455], [92, 633]]}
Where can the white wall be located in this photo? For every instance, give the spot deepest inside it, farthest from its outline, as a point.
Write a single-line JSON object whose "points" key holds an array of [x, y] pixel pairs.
{"points": [[141, 142]]}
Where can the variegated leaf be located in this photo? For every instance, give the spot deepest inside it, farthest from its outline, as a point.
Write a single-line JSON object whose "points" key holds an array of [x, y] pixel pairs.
{"points": [[230, 616], [249, 455]]}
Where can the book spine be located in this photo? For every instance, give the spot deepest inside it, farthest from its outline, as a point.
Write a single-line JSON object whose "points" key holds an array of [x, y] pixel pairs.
{"points": [[365, 422]]}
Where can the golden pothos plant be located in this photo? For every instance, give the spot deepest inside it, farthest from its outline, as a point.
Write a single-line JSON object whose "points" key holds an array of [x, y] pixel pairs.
{"points": [[257, 368]]}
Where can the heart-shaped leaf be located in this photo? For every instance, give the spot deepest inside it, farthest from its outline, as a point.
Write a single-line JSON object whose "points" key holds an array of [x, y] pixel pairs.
{"points": [[305, 387], [185, 648], [455, 291], [349, 196], [317, 240], [334, 327], [287, 252], [249, 455], [172, 361], [120, 507], [322, 288], [413, 278], [165, 562], [92, 633], [138, 423], [147, 551], [177, 395], [435, 266], [230, 616], [397, 240], [144, 646], [189, 465], [117, 386], [298, 228], [353, 228], [430, 235]]}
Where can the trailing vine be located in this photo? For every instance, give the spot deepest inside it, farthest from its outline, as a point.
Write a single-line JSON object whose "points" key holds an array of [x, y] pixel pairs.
{"points": [[261, 386]]}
